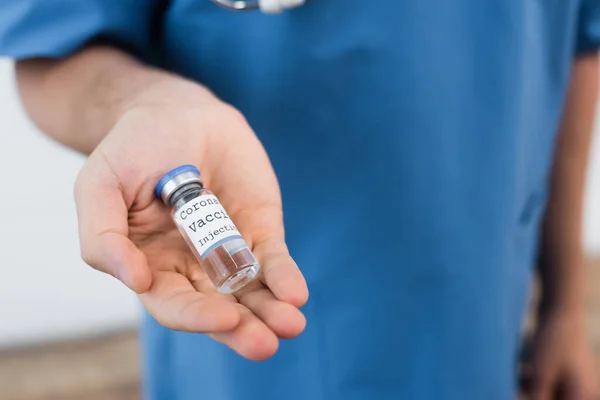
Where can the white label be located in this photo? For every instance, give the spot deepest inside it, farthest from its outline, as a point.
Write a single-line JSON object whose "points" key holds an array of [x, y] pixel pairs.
{"points": [[206, 223]]}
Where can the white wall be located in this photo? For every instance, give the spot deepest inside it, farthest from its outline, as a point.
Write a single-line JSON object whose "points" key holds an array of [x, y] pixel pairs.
{"points": [[46, 292], [592, 215]]}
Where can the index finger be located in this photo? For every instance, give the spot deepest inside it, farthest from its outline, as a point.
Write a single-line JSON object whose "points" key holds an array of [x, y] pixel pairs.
{"points": [[103, 228]]}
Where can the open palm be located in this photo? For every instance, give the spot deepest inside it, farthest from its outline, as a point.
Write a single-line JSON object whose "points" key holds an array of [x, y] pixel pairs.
{"points": [[127, 232]]}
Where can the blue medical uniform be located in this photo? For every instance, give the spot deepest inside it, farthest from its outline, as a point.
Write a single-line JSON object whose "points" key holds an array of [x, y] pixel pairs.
{"points": [[413, 141]]}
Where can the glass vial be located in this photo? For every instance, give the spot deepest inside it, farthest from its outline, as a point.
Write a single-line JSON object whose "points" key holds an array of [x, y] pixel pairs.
{"points": [[206, 227]]}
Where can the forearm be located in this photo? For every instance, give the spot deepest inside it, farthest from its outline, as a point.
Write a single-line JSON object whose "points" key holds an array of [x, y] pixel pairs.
{"points": [[561, 257], [77, 100]]}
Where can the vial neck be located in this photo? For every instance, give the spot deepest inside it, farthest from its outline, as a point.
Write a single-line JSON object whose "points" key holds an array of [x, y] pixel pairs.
{"points": [[184, 194]]}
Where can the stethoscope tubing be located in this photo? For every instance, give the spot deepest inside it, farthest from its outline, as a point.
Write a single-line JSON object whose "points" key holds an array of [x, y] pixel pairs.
{"points": [[237, 5], [247, 5]]}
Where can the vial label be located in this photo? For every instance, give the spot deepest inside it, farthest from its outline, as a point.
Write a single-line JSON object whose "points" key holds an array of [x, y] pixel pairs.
{"points": [[206, 224]]}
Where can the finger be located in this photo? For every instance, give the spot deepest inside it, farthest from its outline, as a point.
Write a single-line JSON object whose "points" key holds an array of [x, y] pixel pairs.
{"points": [[202, 283], [103, 228], [174, 303], [542, 388], [577, 388], [251, 338], [285, 320], [280, 273], [526, 378], [541, 393]]}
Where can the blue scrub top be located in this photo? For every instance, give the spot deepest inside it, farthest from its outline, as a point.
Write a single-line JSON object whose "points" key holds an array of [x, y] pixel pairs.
{"points": [[412, 140]]}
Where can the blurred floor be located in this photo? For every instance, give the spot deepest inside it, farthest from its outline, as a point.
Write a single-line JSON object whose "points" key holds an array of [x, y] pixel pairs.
{"points": [[104, 368], [107, 368]]}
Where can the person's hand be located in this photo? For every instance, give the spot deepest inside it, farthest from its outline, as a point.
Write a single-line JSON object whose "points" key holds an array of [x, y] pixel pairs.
{"points": [[561, 364], [126, 232]]}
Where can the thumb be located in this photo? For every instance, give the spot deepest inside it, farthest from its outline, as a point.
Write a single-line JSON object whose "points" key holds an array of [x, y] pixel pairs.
{"points": [[103, 227], [262, 227], [279, 271]]}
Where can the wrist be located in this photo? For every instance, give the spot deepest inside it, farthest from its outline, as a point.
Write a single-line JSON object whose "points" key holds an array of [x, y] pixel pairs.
{"points": [[568, 307], [121, 85], [165, 90]]}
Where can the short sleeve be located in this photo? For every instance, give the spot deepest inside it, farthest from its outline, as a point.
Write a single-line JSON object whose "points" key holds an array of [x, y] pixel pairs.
{"points": [[57, 28], [588, 37]]}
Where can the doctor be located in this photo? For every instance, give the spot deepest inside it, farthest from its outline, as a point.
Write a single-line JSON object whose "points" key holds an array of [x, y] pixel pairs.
{"points": [[429, 156]]}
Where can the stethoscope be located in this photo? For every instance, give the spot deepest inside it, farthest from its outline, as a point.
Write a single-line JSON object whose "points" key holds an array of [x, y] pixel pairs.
{"points": [[266, 6]]}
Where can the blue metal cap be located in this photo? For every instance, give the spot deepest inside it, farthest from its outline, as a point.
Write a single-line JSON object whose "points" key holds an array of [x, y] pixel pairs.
{"points": [[171, 175]]}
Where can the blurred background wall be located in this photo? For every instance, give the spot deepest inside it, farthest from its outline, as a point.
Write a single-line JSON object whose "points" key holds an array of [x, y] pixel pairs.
{"points": [[592, 214], [46, 292]]}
